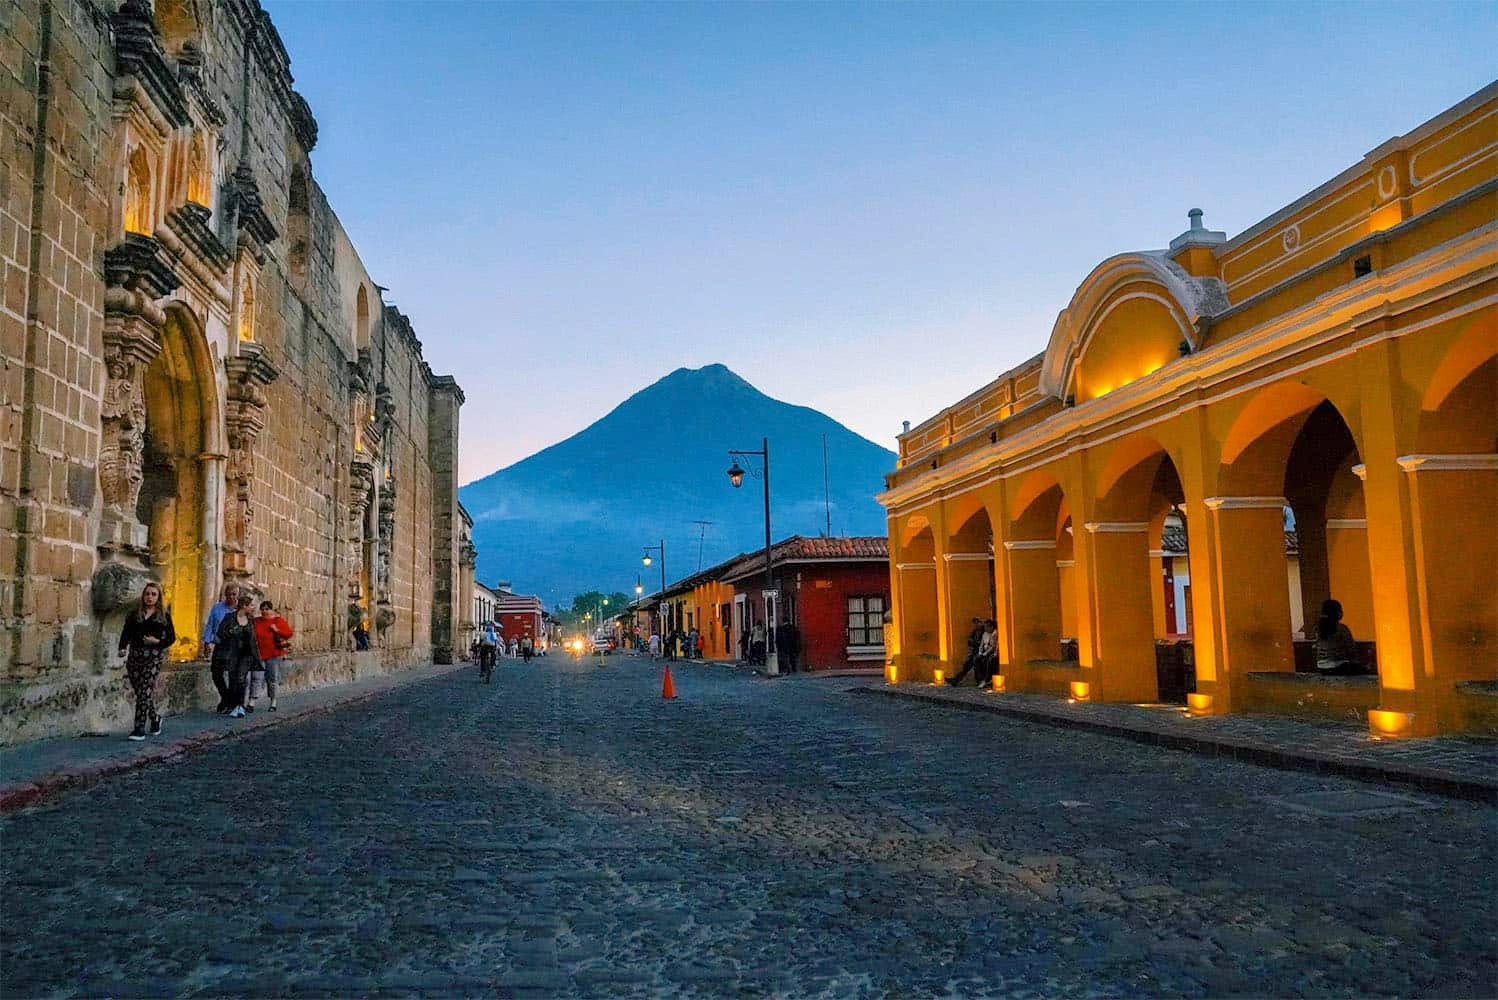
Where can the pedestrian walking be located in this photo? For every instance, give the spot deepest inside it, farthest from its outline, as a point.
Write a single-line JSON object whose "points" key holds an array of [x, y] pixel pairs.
{"points": [[527, 649], [218, 666], [655, 645], [757, 644], [236, 651], [514, 648], [147, 635], [488, 646], [272, 640], [694, 641]]}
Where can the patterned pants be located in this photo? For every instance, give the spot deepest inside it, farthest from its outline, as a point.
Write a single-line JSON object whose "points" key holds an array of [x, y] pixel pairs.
{"points": [[142, 666]]}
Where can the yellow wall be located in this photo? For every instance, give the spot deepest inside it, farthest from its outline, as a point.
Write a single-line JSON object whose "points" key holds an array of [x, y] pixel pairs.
{"points": [[1368, 403]]}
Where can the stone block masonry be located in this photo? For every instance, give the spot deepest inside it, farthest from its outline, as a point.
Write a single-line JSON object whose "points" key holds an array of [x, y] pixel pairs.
{"points": [[199, 380]]}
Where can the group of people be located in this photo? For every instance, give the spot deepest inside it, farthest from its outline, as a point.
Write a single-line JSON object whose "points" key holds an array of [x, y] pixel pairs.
{"points": [[982, 658], [245, 646], [677, 644]]}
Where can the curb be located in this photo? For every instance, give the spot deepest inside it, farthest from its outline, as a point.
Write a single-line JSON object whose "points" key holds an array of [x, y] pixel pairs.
{"points": [[1425, 779], [29, 793]]}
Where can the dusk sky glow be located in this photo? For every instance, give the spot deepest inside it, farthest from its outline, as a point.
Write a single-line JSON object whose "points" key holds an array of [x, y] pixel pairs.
{"points": [[838, 202]]}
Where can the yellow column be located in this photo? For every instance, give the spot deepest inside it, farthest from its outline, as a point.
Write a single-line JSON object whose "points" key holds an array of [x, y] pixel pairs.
{"points": [[1034, 600], [1250, 600], [918, 622], [1455, 575], [1119, 646], [1401, 629], [943, 609], [892, 643]]}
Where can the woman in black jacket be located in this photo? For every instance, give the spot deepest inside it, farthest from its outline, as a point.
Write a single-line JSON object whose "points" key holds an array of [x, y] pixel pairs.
{"points": [[237, 650], [147, 635]]}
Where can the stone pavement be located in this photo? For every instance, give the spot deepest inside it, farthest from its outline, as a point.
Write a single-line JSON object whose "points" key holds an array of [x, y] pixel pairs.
{"points": [[31, 771], [1461, 768], [565, 832]]}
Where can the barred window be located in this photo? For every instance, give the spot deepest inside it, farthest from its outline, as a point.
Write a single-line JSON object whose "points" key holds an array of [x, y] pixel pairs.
{"points": [[866, 621]]}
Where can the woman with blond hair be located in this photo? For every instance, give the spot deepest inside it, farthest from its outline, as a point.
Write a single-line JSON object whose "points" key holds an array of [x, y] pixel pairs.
{"points": [[147, 635]]}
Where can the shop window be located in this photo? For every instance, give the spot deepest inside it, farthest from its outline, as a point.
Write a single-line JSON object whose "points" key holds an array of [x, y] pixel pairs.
{"points": [[866, 621]]}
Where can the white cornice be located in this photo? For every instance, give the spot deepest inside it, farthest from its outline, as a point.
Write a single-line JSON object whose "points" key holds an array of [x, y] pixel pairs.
{"points": [[1244, 503], [1037, 544], [915, 565], [966, 556], [1448, 463], [1117, 527], [1065, 563]]}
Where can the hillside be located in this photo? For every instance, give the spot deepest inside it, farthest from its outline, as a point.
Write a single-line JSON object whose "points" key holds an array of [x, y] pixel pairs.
{"points": [[576, 515]]}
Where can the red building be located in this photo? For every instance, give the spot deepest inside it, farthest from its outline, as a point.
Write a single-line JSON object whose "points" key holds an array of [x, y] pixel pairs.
{"points": [[836, 591], [520, 616]]}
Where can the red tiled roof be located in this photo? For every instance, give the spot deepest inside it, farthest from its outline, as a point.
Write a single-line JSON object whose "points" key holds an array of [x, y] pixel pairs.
{"points": [[797, 548]]}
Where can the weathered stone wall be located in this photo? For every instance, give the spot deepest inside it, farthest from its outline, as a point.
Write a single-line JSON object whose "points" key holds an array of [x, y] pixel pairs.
{"points": [[200, 380]]}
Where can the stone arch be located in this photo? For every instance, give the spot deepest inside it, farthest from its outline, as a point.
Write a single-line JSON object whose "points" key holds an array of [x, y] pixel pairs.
{"points": [[919, 622], [181, 426], [1138, 481], [1459, 408], [1155, 284], [971, 584], [1041, 574], [139, 193], [1292, 442]]}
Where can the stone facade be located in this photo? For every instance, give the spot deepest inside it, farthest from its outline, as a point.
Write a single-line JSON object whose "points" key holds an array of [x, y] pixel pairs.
{"points": [[199, 381]]}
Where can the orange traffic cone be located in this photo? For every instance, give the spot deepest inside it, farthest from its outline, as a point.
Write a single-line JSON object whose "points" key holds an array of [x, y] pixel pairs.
{"points": [[668, 689]]}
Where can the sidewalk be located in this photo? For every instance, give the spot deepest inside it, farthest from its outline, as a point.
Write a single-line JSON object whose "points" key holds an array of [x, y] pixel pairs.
{"points": [[1450, 766], [33, 771]]}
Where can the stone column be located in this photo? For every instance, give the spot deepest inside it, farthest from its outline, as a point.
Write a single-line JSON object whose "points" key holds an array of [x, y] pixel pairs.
{"points": [[442, 450], [361, 491], [1034, 601], [1118, 651], [1250, 595], [1454, 578], [244, 418], [384, 606]]}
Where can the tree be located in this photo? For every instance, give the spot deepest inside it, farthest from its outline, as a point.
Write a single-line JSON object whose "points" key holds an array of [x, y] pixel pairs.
{"points": [[590, 603]]}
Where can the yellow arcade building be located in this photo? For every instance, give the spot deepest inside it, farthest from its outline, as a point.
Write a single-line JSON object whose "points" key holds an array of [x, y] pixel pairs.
{"points": [[1223, 435]]}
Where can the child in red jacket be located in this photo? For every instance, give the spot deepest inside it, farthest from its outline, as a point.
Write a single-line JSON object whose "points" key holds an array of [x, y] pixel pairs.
{"points": [[272, 639]]}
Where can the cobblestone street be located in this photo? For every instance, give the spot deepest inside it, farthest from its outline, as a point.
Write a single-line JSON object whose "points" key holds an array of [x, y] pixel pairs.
{"points": [[565, 832]]}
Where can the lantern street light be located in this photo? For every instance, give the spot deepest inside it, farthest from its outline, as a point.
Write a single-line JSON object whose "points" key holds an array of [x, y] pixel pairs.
{"points": [[661, 548], [736, 475]]}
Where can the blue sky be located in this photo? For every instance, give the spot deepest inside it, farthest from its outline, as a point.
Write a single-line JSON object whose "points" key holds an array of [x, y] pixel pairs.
{"points": [[868, 209]]}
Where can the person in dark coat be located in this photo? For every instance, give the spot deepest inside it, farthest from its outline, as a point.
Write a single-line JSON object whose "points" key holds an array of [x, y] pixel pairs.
{"points": [[788, 640], [237, 653]]}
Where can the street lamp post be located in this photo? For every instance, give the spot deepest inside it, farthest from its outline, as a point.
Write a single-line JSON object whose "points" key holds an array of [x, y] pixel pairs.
{"points": [[736, 477], [661, 548]]}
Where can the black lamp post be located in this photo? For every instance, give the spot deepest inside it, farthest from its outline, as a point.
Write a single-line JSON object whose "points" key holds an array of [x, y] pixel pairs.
{"points": [[661, 548], [736, 477]]}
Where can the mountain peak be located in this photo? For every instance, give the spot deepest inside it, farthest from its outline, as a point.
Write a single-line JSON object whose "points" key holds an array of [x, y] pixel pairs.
{"points": [[713, 375]]}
